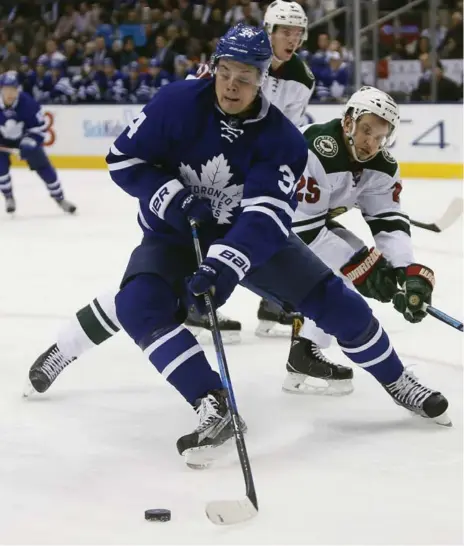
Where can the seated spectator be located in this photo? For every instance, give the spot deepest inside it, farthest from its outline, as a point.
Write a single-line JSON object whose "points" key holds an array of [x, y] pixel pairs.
{"points": [[113, 84], [452, 44], [52, 53], [101, 52], [128, 54], [61, 92], [66, 23], [73, 56], [85, 84], [332, 81], [11, 57], [447, 89]]}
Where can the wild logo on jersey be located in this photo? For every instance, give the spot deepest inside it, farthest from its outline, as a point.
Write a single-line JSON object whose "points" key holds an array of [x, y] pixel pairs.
{"points": [[212, 185]]}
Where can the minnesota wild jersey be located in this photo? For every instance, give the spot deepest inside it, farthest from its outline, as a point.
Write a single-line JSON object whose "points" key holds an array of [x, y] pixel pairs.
{"points": [[289, 88], [333, 183]]}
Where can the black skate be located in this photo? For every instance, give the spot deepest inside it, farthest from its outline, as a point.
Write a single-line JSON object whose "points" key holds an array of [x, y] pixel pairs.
{"points": [[273, 320], [409, 393], [10, 205], [310, 372], [215, 430], [200, 328], [46, 369], [66, 205]]}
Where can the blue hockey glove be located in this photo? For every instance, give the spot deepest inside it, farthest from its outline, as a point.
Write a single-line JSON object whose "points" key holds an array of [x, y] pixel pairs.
{"points": [[220, 272], [417, 282], [27, 146], [175, 204]]}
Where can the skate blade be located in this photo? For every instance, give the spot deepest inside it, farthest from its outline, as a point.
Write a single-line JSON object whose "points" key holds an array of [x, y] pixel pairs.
{"points": [[200, 458], [28, 390], [267, 328], [204, 336], [296, 383], [442, 420]]}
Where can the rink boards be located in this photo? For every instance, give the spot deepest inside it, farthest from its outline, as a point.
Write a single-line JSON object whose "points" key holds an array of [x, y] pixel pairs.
{"points": [[428, 145]]}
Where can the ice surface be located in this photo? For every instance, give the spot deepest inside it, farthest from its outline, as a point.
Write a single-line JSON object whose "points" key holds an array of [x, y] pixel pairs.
{"points": [[81, 464]]}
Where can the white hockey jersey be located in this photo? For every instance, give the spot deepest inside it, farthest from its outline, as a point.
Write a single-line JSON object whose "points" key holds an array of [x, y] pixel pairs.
{"points": [[289, 88], [333, 183]]}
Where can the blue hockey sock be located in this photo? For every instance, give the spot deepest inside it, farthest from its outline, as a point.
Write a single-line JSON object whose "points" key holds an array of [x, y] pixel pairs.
{"points": [[5, 185], [49, 176], [147, 309], [343, 313], [373, 352], [177, 355]]}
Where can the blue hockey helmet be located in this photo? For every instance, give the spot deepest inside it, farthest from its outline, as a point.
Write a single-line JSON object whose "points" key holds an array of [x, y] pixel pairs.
{"points": [[245, 44], [9, 79]]}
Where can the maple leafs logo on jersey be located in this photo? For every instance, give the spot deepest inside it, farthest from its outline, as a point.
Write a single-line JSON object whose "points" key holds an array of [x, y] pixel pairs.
{"points": [[212, 185], [12, 129]]}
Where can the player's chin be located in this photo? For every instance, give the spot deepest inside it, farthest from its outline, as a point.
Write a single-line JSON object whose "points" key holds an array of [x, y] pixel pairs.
{"points": [[231, 106]]}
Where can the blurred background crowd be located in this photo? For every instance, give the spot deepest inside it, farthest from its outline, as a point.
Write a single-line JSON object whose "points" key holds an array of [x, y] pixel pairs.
{"points": [[123, 51]]}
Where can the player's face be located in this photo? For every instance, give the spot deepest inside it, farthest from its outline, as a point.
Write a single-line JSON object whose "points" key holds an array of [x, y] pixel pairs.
{"points": [[237, 85], [370, 134], [285, 41], [9, 94]]}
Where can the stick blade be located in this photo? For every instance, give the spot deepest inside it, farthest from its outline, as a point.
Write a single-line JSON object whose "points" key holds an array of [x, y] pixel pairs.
{"points": [[231, 512], [453, 212]]}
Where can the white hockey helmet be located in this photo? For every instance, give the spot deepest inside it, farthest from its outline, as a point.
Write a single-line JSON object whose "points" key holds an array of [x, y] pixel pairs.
{"points": [[286, 13], [370, 100]]}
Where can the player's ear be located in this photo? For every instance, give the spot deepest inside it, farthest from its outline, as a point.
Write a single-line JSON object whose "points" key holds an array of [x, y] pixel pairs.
{"points": [[347, 123]]}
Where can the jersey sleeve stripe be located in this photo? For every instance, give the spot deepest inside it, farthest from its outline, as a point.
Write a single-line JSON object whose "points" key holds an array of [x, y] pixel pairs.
{"points": [[271, 214], [125, 164], [263, 200]]}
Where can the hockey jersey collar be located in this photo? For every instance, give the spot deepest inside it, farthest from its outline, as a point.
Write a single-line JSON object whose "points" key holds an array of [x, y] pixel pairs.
{"points": [[265, 105]]}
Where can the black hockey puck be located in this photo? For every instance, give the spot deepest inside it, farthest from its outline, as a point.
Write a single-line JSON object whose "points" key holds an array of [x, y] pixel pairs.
{"points": [[158, 514]]}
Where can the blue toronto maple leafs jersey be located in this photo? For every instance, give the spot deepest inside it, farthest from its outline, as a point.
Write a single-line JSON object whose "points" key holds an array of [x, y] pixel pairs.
{"points": [[23, 118], [248, 169]]}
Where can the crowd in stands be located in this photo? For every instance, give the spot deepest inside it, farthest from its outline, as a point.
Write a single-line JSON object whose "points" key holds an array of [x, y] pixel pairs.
{"points": [[125, 50]]}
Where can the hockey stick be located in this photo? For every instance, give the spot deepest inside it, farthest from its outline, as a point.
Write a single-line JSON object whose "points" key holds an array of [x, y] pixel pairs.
{"points": [[226, 512], [12, 151], [440, 315], [452, 213]]}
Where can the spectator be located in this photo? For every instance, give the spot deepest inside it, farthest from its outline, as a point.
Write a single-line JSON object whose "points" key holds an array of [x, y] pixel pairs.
{"points": [[100, 51], [452, 44], [85, 20], [66, 23], [116, 54], [128, 54], [164, 54], [73, 56], [323, 44], [447, 89], [51, 50], [333, 79], [11, 59]]}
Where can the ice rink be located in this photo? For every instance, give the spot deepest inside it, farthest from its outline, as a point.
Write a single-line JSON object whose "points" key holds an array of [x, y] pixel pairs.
{"points": [[82, 463]]}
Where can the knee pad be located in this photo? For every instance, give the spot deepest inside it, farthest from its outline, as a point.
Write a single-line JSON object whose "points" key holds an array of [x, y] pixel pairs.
{"points": [[146, 303], [337, 310]]}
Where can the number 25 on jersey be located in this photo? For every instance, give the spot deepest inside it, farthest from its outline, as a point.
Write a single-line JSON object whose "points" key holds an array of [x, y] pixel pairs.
{"points": [[308, 190]]}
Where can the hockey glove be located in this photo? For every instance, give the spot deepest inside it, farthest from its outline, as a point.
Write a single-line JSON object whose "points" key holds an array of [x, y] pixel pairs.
{"points": [[27, 146], [220, 272], [371, 274], [184, 206], [417, 283]]}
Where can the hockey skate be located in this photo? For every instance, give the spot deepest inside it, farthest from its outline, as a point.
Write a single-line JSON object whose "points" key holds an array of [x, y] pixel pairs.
{"points": [[273, 320], [10, 205], [212, 438], [310, 372], [66, 205], [411, 395], [45, 370], [200, 328]]}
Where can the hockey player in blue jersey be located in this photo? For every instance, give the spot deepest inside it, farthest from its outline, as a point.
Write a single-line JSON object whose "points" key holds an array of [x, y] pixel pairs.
{"points": [[22, 126], [217, 152]]}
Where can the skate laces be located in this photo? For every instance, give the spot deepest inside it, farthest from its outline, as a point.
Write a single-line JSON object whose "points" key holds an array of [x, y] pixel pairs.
{"points": [[54, 363], [317, 353], [408, 390], [208, 411]]}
